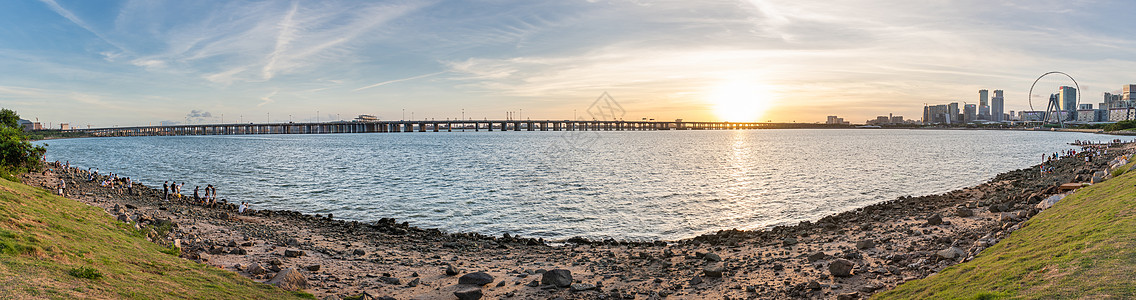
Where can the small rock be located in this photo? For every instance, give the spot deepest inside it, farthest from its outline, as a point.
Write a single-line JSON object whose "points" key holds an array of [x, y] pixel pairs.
{"points": [[696, 280], [964, 212], [557, 277], [293, 253], [813, 285], [934, 219], [712, 257], [580, 287], [359, 252], [817, 257], [789, 241], [313, 268], [477, 278], [865, 244], [848, 296], [415, 282], [840, 268], [256, 269], [451, 271], [714, 271], [950, 253], [390, 280], [468, 294]]}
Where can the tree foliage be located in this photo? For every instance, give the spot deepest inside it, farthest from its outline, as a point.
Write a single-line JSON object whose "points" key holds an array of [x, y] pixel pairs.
{"points": [[17, 154], [1122, 125]]}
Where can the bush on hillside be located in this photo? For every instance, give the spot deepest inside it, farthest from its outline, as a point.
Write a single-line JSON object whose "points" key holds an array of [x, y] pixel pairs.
{"points": [[17, 154]]}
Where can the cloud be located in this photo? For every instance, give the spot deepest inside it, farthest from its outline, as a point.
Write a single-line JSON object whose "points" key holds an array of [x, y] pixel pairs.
{"points": [[267, 99], [398, 80], [198, 114], [75, 19]]}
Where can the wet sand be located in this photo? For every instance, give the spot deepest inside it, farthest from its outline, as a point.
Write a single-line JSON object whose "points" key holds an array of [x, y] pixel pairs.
{"points": [[849, 255]]}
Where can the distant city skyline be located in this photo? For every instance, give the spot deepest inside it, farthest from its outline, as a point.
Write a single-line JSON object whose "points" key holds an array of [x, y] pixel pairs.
{"points": [[108, 63]]}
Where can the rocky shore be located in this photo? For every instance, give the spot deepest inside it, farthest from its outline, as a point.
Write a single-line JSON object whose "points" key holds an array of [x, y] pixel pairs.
{"points": [[844, 256]]}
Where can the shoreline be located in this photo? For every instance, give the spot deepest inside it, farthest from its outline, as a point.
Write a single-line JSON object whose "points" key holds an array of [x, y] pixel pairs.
{"points": [[886, 243]]}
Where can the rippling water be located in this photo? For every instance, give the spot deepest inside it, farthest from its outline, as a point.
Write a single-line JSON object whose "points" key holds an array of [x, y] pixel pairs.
{"points": [[628, 185]]}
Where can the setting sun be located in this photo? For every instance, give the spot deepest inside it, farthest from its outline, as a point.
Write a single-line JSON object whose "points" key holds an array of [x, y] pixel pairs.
{"points": [[739, 101]]}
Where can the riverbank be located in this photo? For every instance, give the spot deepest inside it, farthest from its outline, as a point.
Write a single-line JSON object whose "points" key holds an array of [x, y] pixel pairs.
{"points": [[853, 254]]}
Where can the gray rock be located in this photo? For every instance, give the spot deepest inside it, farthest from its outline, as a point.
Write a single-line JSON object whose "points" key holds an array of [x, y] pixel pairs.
{"points": [[313, 268], [451, 271], [256, 269], [840, 268], [580, 287], [359, 252], [950, 253], [714, 271], [293, 253], [415, 282], [817, 257], [712, 257], [391, 280], [292, 242], [964, 212], [289, 279], [696, 280], [934, 219], [865, 244], [848, 296], [789, 241], [468, 294], [813, 285], [476, 278], [557, 277]]}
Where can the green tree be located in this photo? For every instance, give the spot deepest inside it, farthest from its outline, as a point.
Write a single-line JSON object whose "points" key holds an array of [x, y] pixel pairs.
{"points": [[9, 118], [17, 154]]}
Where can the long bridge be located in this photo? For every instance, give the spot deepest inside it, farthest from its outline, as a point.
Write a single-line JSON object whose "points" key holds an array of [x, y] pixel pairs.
{"points": [[427, 126]]}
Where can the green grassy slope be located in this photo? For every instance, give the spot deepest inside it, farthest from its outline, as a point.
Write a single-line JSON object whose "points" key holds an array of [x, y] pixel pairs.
{"points": [[1083, 247], [53, 247]]}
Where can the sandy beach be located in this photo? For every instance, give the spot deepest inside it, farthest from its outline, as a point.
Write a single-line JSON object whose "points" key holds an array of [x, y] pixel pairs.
{"points": [[845, 256]]}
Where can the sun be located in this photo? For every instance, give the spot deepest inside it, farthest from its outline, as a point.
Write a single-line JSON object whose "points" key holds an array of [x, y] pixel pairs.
{"points": [[739, 101]]}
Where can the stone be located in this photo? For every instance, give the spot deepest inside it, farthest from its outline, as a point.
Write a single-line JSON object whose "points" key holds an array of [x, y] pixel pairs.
{"points": [[964, 212], [934, 219], [789, 241], [813, 285], [696, 280], [289, 279], [580, 287], [292, 242], [557, 277], [256, 269], [848, 296], [712, 257], [416, 282], [865, 244], [293, 253], [468, 294], [950, 253], [714, 271], [123, 218], [275, 262], [840, 268], [476, 278], [390, 280], [451, 271], [359, 252], [313, 268], [817, 257]]}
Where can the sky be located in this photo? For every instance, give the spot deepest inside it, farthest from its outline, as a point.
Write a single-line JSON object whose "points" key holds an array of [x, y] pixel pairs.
{"points": [[126, 63]]}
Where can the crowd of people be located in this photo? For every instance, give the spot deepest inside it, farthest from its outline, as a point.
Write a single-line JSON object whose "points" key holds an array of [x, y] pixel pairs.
{"points": [[171, 191]]}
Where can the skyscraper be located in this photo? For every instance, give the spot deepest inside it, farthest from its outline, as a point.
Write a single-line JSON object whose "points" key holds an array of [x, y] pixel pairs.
{"points": [[1067, 97], [997, 106], [969, 113], [983, 105], [953, 113]]}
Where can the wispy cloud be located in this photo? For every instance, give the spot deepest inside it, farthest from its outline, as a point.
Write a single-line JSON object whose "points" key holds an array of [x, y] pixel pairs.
{"points": [[267, 99], [75, 19], [398, 80]]}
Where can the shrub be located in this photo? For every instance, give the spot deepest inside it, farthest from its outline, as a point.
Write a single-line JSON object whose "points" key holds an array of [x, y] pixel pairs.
{"points": [[86, 273], [172, 250]]}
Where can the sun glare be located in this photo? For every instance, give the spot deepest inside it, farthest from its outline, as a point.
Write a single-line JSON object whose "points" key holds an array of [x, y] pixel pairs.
{"points": [[739, 101]]}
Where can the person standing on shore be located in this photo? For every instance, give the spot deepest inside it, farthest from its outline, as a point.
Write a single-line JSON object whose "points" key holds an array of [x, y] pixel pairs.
{"points": [[244, 206], [166, 191], [129, 186], [196, 196]]}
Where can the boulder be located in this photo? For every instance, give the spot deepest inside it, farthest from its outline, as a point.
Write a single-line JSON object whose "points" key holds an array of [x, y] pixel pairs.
{"points": [[696, 280], [451, 271], [468, 293], [841, 268], [289, 279], [951, 253], [557, 277], [714, 271], [390, 280], [817, 257], [359, 252], [964, 212], [476, 278], [789, 241], [313, 268], [712, 257]]}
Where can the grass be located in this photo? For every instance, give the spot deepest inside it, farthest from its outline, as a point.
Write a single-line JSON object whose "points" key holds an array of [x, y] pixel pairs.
{"points": [[56, 248], [1082, 247]]}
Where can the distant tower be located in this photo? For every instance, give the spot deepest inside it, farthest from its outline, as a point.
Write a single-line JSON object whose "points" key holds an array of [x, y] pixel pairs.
{"points": [[969, 111], [997, 106], [1067, 97], [983, 105]]}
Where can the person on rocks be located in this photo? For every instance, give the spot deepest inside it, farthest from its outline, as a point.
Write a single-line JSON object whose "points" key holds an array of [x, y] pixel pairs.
{"points": [[196, 196], [242, 208], [62, 188], [129, 186], [166, 191]]}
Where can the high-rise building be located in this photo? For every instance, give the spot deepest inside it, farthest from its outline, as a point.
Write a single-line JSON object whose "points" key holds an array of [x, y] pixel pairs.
{"points": [[970, 113], [997, 105], [953, 113], [1128, 91], [983, 105], [1067, 97]]}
